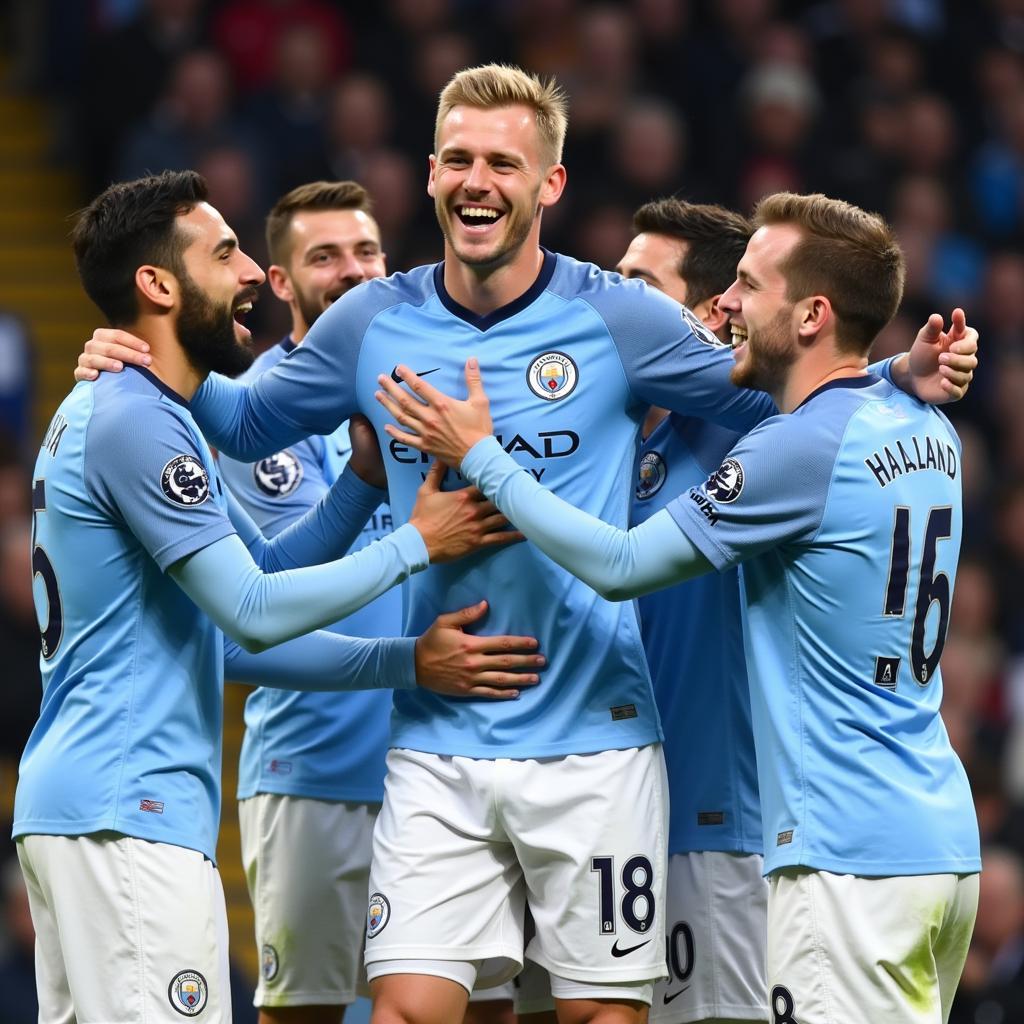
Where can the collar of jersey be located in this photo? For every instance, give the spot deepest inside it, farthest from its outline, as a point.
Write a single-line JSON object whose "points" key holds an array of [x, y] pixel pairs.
{"points": [[158, 384], [287, 344], [486, 322], [842, 382]]}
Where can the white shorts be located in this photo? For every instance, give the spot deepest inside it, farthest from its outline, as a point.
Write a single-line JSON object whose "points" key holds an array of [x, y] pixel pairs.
{"points": [[460, 841], [126, 930], [716, 927], [716, 930], [307, 865], [843, 948]]}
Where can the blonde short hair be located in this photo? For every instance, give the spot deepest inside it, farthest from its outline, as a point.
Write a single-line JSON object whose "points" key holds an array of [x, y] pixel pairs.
{"points": [[500, 85]]}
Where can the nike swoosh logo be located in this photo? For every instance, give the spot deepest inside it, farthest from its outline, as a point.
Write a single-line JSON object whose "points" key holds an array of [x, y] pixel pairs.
{"points": [[420, 373], [629, 949], [666, 998]]}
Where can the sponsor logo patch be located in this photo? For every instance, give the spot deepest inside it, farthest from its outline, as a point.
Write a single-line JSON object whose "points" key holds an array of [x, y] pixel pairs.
{"points": [[726, 483], [279, 474], [886, 671], [153, 806], [188, 993], [623, 711], [268, 962], [711, 817], [552, 376], [784, 838], [652, 477], [378, 913], [184, 481]]}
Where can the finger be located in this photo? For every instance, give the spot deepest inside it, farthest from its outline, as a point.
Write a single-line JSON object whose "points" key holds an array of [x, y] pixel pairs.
{"points": [[410, 440], [959, 324], [504, 679], [932, 329], [474, 383], [487, 691], [418, 385], [500, 539], [505, 644], [400, 407], [94, 361], [463, 616], [494, 522], [84, 373], [434, 478]]}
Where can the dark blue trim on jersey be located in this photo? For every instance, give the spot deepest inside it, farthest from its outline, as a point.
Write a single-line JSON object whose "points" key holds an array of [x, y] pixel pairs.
{"points": [[287, 344], [843, 382], [158, 384], [485, 323]]}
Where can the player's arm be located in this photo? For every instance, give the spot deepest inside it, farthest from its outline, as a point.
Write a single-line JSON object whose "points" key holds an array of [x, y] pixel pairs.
{"points": [[445, 660], [309, 392], [260, 609]]}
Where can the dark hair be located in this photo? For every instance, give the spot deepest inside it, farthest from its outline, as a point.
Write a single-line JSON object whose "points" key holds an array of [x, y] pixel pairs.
{"points": [[716, 240], [129, 225], [846, 254], [317, 195]]}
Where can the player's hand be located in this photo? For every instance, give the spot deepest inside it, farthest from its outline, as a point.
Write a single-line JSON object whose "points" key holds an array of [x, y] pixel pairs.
{"points": [[442, 425], [460, 664], [110, 349], [365, 459], [455, 523], [941, 363]]}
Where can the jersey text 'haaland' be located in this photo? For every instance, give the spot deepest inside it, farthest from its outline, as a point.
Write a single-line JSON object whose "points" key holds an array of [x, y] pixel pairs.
{"points": [[847, 515], [327, 746], [571, 367]]}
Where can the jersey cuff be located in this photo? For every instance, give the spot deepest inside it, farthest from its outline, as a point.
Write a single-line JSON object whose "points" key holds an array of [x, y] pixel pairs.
{"points": [[695, 531]]}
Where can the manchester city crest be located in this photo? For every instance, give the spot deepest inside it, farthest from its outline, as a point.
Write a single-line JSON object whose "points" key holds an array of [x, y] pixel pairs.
{"points": [[184, 481], [653, 474], [552, 376], [378, 913], [278, 475], [269, 963], [726, 483], [188, 993]]}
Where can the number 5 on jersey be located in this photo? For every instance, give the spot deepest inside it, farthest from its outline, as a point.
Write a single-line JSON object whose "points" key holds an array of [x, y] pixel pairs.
{"points": [[42, 566]]}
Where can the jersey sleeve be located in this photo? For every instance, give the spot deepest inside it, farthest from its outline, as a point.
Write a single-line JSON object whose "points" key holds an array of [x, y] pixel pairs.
{"points": [[673, 361], [771, 489], [146, 469], [310, 391]]}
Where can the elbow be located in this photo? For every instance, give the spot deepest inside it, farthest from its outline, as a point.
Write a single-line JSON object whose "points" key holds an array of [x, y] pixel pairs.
{"points": [[616, 591], [249, 643]]}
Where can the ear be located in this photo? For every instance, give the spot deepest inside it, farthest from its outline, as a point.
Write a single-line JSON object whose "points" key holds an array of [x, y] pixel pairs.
{"points": [[280, 282], [554, 185], [714, 318], [157, 286], [431, 174], [814, 314]]}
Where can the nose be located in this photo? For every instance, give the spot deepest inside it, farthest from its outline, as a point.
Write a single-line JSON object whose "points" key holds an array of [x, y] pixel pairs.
{"points": [[251, 274], [729, 302], [350, 269], [478, 180]]}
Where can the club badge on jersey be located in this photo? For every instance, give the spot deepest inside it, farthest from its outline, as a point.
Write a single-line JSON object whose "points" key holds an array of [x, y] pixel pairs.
{"points": [[552, 376], [652, 476], [188, 993], [378, 913]]}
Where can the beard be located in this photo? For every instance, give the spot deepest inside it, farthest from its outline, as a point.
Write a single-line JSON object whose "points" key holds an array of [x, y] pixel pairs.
{"points": [[207, 333], [517, 230], [770, 353]]}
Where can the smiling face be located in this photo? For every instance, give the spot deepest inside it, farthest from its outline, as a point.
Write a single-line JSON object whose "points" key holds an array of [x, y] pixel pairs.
{"points": [[761, 317], [656, 259], [218, 287], [332, 251], [489, 182]]}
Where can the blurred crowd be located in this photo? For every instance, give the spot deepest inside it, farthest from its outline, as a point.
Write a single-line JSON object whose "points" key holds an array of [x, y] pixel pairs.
{"points": [[913, 108]]}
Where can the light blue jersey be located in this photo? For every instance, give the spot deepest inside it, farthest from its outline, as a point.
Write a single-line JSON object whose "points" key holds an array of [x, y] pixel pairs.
{"points": [[693, 637], [329, 746], [847, 515], [571, 367], [129, 732]]}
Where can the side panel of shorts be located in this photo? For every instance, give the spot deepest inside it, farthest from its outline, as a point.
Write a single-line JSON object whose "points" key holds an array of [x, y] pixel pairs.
{"points": [[444, 881], [126, 930], [590, 833], [716, 930], [844, 948], [307, 865]]}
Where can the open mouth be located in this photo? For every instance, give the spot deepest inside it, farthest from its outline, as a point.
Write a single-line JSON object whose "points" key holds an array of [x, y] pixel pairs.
{"points": [[739, 336], [478, 218], [242, 308]]}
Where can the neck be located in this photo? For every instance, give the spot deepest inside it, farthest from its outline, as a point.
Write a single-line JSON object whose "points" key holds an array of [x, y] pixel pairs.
{"points": [[485, 289], [170, 365], [805, 379], [651, 420], [299, 328]]}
